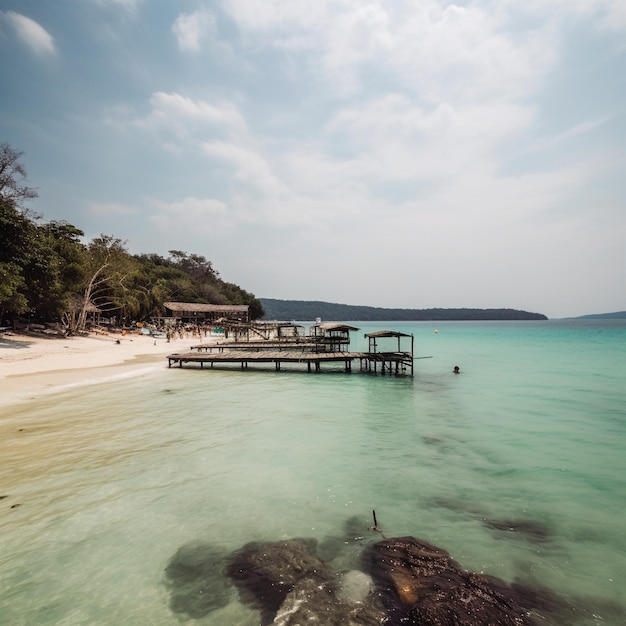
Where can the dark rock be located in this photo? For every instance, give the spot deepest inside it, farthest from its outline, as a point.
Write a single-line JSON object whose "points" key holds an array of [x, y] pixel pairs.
{"points": [[289, 584], [196, 579], [265, 572], [421, 584]]}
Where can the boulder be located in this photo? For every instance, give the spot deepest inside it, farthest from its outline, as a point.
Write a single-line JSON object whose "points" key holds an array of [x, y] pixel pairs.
{"points": [[290, 585], [422, 584], [196, 580]]}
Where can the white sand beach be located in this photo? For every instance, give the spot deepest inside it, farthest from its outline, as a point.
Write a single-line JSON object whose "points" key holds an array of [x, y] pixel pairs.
{"points": [[32, 366]]}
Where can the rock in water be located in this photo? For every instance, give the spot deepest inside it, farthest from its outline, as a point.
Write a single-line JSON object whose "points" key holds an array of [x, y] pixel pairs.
{"points": [[422, 584], [354, 587], [265, 573], [291, 585], [196, 579]]}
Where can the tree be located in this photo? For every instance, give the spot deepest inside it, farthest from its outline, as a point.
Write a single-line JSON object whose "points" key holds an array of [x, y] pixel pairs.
{"points": [[13, 177], [109, 268], [15, 235], [60, 245], [12, 298]]}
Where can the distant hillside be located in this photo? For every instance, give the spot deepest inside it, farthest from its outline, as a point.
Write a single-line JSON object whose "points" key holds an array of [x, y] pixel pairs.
{"points": [[309, 310], [618, 315]]}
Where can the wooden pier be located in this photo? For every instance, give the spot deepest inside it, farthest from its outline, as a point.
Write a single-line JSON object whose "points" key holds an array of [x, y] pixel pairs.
{"points": [[314, 351]]}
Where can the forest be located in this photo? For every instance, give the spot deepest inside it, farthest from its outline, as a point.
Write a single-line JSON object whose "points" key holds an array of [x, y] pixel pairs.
{"points": [[49, 273]]}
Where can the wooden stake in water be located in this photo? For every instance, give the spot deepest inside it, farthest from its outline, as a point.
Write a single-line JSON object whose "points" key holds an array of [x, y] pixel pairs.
{"points": [[375, 522]]}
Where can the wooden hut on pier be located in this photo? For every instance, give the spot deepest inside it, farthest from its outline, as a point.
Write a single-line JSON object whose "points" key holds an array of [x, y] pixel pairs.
{"points": [[199, 313], [397, 361]]}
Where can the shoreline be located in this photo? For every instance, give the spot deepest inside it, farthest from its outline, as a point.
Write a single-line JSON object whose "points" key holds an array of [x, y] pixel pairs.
{"points": [[34, 366]]}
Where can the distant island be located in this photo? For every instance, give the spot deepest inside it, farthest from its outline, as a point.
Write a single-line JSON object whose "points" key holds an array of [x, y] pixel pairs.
{"points": [[618, 315], [311, 310]]}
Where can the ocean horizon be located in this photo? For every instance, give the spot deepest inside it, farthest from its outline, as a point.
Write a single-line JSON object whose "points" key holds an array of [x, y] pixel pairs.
{"points": [[516, 467]]}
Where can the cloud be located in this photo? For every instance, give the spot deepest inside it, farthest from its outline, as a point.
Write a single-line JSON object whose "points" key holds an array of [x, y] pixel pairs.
{"points": [[181, 114], [434, 50], [249, 167], [403, 140], [604, 14], [191, 29], [198, 215], [578, 130], [31, 33]]}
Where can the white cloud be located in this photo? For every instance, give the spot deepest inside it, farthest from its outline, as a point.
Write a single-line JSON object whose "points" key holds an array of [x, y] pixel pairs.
{"points": [[277, 15], [191, 29], [580, 129], [431, 49], [183, 116], [201, 216], [31, 33], [604, 14], [403, 140], [249, 167]]}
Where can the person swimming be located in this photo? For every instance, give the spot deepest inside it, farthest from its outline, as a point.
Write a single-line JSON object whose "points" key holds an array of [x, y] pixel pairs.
{"points": [[456, 369]]}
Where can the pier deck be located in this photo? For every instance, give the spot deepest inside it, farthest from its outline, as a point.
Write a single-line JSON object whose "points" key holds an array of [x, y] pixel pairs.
{"points": [[394, 363], [278, 357]]}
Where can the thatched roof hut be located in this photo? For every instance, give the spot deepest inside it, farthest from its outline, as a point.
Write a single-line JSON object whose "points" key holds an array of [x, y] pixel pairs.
{"points": [[198, 312]]}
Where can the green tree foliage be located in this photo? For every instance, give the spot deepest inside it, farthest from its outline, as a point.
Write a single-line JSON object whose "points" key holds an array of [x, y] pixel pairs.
{"points": [[13, 177], [47, 272]]}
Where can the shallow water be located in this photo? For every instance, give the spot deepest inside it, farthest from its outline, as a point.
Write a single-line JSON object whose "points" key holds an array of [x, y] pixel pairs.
{"points": [[516, 467]]}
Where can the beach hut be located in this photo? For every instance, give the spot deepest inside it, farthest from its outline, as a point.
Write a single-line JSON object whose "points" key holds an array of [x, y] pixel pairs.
{"points": [[200, 313], [396, 361]]}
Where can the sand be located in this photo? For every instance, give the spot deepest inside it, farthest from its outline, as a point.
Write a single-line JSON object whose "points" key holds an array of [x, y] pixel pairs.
{"points": [[33, 366]]}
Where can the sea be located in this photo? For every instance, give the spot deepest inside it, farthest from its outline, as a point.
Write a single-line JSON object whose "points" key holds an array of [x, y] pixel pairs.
{"points": [[516, 467]]}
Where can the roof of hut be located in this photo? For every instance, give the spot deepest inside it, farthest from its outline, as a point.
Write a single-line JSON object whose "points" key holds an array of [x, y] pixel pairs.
{"points": [[200, 307], [335, 326], [386, 333]]}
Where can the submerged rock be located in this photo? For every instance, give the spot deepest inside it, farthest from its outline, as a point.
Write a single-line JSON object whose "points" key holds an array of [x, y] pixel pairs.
{"points": [[354, 586], [422, 584], [289, 584], [265, 572], [196, 580], [398, 582]]}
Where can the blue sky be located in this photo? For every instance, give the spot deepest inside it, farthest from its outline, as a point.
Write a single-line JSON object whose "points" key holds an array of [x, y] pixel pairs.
{"points": [[388, 153]]}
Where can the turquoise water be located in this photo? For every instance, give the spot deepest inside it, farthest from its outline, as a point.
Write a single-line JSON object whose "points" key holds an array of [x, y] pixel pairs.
{"points": [[112, 479]]}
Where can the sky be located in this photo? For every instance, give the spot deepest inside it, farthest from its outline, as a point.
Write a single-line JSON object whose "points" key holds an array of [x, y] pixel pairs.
{"points": [[390, 153]]}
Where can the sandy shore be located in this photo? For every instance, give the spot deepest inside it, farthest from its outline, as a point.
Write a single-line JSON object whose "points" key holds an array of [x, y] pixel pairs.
{"points": [[32, 366]]}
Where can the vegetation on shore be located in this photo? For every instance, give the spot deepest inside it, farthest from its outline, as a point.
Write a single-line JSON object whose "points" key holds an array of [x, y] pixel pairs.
{"points": [[47, 272], [310, 310]]}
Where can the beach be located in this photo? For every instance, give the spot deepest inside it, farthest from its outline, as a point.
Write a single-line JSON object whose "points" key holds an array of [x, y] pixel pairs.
{"points": [[32, 366]]}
